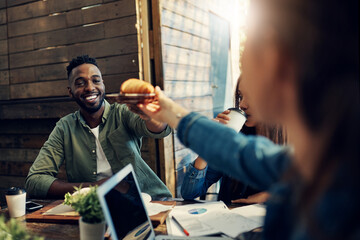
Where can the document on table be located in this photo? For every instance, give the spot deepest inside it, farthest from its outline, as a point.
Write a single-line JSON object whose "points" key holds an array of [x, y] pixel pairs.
{"points": [[193, 217], [155, 208], [255, 212], [211, 218]]}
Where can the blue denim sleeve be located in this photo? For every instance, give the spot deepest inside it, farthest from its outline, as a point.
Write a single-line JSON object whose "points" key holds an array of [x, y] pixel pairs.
{"points": [[196, 182], [253, 160]]}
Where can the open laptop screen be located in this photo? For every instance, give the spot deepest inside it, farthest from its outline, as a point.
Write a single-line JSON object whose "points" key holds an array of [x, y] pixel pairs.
{"points": [[127, 211]]}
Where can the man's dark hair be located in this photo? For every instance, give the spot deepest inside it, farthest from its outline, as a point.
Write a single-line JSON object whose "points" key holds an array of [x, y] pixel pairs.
{"points": [[78, 61]]}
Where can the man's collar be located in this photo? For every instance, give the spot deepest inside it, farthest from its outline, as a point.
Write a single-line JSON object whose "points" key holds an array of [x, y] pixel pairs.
{"points": [[106, 111]]}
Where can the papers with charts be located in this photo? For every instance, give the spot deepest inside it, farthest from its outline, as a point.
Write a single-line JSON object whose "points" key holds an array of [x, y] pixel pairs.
{"points": [[203, 219]]}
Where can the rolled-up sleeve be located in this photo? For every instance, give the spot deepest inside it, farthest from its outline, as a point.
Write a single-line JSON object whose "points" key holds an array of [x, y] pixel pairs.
{"points": [[45, 168], [253, 160]]}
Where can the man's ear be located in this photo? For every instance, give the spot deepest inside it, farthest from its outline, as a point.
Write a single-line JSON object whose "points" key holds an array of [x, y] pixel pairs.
{"points": [[70, 92]]}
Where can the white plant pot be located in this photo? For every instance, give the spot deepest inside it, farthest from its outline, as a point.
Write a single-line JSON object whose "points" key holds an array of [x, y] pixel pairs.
{"points": [[91, 231]]}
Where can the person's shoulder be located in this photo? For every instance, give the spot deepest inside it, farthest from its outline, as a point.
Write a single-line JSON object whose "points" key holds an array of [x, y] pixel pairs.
{"points": [[118, 106], [69, 119], [120, 109]]}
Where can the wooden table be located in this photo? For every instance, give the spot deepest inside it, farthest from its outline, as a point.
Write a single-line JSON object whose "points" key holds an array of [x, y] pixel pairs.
{"points": [[60, 231]]}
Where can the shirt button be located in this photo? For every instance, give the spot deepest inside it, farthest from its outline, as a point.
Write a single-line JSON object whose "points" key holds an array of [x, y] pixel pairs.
{"points": [[94, 173], [93, 151]]}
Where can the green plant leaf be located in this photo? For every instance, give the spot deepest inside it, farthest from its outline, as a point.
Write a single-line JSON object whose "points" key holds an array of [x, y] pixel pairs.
{"points": [[86, 204]]}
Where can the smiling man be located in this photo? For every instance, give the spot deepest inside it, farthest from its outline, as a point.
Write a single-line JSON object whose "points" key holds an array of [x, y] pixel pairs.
{"points": [[94, 142]]}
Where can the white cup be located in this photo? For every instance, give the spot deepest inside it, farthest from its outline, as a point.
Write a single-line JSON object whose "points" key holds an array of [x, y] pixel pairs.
{"points": [[16, 199], [237, 119]]}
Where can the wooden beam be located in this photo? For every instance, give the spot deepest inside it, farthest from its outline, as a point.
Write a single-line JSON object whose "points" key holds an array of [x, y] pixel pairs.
{"points": [[157, 44], [165, 146], [143, 40]]}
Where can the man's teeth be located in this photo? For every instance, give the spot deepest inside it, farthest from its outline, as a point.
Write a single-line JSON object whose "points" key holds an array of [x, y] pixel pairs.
{"points": [[91, 97]]}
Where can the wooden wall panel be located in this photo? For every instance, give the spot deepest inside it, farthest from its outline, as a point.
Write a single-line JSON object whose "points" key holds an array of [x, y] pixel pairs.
{"points": [[119, 64], [39, 73], [36, 25], [181, 72], [39, 89], [185, 89], [197, 103], [183, 56], [45, 35], [175, 21], [66, 5], [27, 126], [3, 47], [109, 47], [72, 18], [4, 92], [18, 155], [2, 4], [39, 8], [4, 62], [10, 181], [3, 31], [104, 12], [42, 8], [22, 141], [11, 3], [73, 35], [20, 44], [3, 16], [38, 110], [4, 77], [185, 40], [187, 9], [19, 169]]}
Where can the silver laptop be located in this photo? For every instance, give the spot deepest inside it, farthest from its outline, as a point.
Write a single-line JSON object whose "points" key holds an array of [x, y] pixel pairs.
{"points": [[124, 209]]}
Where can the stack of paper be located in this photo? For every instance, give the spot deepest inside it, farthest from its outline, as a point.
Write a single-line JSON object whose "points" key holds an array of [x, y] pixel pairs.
{"points": [[203, 219]]}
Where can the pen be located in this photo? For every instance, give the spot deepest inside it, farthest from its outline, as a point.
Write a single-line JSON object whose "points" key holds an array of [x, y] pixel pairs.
{"points": [[181, 227]]}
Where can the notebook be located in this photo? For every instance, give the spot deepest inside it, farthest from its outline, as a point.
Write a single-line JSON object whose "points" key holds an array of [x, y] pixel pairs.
{"points": [[125, 212]]}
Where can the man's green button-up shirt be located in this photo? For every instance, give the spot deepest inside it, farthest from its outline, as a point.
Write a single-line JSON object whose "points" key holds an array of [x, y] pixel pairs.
{"points": [[72, 143]]}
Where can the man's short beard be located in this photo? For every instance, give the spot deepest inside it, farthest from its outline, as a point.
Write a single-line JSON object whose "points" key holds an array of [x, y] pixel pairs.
{"points": [[93, 109]]}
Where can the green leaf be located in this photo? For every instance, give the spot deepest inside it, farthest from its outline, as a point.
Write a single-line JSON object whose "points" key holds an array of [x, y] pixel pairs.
{"points": [[86, 204]]}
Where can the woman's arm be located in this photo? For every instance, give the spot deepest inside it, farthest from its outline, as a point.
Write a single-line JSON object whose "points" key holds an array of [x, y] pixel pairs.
{"points": [[253, 160]]}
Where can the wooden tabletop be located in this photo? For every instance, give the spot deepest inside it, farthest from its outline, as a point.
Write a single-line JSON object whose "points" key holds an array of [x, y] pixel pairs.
{"points": [[59, 230]]}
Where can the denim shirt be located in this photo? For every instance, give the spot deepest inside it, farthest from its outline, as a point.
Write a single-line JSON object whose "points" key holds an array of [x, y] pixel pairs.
{"points": [[260, 163], [72, 143], [241, 157]]}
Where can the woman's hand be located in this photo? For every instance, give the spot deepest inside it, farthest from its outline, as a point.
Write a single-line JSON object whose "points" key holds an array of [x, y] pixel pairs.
{"points": [[223, 117], [164, 109], [260, 197]]}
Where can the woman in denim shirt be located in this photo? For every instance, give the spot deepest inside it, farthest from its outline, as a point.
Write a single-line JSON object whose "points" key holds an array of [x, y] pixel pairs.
{"points": [[199, 177], [301, 65]]}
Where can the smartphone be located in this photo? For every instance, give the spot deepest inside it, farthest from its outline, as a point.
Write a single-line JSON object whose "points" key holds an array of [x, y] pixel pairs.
{"points": [[32, 206]]}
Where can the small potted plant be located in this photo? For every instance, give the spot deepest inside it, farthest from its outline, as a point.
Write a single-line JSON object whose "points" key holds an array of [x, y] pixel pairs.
{"points": [[13, 230], [86, 202]]}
